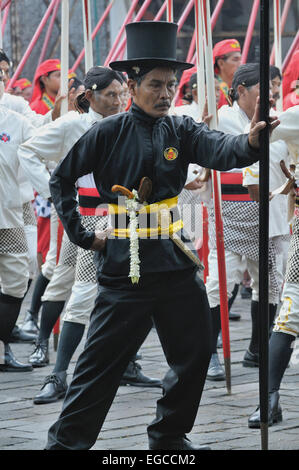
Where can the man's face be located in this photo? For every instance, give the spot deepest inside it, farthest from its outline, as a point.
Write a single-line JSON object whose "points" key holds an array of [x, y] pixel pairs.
{"points": [[248, 97], [275, 88], [229, 65], [17, 91], [125, 96], [156, 91], [27, 93], [217, 91], [52, 82], [108, 101], [4, 66]]}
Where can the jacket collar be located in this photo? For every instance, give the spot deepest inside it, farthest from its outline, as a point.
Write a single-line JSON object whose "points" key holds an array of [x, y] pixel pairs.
{"points": [[139, 114]]}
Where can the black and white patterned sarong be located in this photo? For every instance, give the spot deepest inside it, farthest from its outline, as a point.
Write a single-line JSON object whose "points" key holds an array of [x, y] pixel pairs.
{"points": [[241, 234], [28, 214], [190, 206], [68, 253], [85, 267], [13, 240], [292, 269]]}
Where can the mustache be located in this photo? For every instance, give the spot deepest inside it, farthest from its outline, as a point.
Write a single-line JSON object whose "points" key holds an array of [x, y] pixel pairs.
{"points": [[163, 104]]}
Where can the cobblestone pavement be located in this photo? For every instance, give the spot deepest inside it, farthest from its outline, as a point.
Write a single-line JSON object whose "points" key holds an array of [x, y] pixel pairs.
{"points": [[221, 421]]}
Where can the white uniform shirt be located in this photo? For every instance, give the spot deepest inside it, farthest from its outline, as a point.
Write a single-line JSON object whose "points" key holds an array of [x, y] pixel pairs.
{"points": [[20, 105], [278, 224], [233, 120], [188, 110], [14, 129], [288, 130], [54, 141]]}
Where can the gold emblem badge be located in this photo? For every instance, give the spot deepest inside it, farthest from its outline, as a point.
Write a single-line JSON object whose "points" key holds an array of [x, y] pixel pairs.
{"points": [[171, 153]]}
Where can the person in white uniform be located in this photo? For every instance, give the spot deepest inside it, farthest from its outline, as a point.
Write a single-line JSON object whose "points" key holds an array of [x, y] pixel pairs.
{"points": [[14, 262], [241, 220], [286, 327]]}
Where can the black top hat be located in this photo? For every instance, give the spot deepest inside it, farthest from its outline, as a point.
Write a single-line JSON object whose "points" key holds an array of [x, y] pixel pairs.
{"points": [[150, 44]]}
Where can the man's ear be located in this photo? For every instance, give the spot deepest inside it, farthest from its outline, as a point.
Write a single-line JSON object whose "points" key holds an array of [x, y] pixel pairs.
{"points": [[194, 94], [132, 84], [42, 79], [88, 94], [241, 90]]}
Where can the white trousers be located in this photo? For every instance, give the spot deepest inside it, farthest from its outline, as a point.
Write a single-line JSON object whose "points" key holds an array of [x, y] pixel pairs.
{"points": [[234, 267], [81, 302], [50, 261], [14, 274], [288, 319], [60, 285], [31, 236]]}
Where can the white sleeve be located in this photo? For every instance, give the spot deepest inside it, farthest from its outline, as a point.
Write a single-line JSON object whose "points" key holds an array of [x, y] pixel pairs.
{"points": [[251, 174], [288, 129], [194, 171], [37, 120], [44, 144]]}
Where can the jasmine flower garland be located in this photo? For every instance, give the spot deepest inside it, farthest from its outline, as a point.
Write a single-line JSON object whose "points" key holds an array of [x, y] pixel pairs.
{"points": [[132, 206]]}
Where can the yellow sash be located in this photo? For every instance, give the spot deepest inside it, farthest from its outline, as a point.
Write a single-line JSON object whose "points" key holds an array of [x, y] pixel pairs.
{"points": [[156, 207]]}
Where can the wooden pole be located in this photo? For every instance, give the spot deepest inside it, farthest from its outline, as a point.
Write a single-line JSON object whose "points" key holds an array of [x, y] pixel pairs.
{"points": [[1, 36], [49, 33], [31, 44], [283, 20], [250, 30], [292, 49], [212, 109], [263, 311], [121, 48], [200, 68], [5, 16], [87, 34], [94, 33], [64, 54], [277, 47], [121, 31], [169, 14]]}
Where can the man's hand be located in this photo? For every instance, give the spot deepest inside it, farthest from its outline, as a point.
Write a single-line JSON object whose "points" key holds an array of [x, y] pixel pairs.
{"points": [[256, 126], [100, 239], [195, 184], [253, 190], [59, 98]]}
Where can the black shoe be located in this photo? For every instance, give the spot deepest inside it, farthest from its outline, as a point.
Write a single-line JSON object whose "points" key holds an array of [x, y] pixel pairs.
{"points": [[176, 443], [11, 364], [275, 412], [250, 359], [134, 376], [40, 356], [18, 335], [30, 324], [54, 388], [234, 316], [215, 371]]}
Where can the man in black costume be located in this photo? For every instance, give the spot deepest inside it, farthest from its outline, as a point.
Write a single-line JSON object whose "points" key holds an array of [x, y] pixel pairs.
{"points": [[121, 150]]}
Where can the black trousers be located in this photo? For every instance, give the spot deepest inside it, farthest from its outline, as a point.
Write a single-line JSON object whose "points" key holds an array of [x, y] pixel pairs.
{"points": [[177, 304]]}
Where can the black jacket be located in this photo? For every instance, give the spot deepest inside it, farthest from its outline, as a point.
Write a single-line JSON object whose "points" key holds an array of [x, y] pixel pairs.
{"points": [[123, 148]]}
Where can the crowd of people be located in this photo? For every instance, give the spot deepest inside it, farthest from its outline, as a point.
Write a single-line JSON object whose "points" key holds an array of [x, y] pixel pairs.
{"points": [[56, 206]]}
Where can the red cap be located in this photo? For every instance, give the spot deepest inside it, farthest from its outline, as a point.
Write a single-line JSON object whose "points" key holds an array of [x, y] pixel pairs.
{"points": [[225, 47], [22, 83], [48, 66], [291, 74], [185, 78]]}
